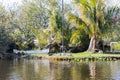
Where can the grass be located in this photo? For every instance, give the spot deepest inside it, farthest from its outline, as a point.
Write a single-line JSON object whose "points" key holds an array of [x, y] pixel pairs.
{"points": [[39, 55], [90, 54], [82, 55]]}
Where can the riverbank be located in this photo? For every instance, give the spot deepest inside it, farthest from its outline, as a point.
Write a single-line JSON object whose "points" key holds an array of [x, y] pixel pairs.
{"points": [[84, 56]]}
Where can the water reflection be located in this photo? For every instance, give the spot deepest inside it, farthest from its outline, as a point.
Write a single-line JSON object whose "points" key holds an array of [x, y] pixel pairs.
{"points": [[60, 71], [51, 70]]}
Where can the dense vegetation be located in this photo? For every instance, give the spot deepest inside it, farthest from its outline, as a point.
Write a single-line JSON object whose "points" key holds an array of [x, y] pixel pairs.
{"points": [[36, 24]]}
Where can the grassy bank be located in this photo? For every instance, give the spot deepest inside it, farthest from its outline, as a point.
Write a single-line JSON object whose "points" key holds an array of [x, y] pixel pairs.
{"points": [[83, 54], [90, 54], [39, 55]]}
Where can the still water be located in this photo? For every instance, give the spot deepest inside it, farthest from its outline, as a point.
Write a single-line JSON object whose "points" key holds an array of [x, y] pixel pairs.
{"points": [[53, 70]]}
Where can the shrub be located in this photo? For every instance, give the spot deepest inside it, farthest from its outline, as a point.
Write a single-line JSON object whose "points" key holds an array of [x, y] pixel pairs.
{"points": [[117, 47]]}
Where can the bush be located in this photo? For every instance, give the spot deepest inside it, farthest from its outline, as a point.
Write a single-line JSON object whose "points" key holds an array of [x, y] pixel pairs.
{"points": [[117, 47]]}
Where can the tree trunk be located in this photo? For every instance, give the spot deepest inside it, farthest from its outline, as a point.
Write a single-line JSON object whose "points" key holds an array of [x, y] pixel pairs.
{"points": [[93, 43]]}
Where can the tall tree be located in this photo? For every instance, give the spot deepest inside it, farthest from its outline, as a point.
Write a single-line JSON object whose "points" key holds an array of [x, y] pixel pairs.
{"points": [[92, 18]]}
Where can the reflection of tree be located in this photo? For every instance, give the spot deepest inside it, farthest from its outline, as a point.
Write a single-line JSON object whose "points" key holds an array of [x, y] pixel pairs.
{"points": [[100, 70], [91, 71], [103, 70], [80, 71], [85, 72], [66, 71], [55, 71], [92, 67], [75, 71], [5, 69], [60, 71], [48, 70], [115, 69], [24, 69], [32, 70]]}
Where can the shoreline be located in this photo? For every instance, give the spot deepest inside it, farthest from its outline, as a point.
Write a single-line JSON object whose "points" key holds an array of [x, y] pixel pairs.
{"points": [[84, 56]]}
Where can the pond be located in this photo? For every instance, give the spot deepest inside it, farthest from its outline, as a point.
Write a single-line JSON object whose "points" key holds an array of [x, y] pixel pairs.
{"points": [[53, 70]]}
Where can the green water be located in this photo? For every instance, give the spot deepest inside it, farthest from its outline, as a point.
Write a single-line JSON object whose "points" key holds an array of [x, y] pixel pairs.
{"points": [[51, 70]]}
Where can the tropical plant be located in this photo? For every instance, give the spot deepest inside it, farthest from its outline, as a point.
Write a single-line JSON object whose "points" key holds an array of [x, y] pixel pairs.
{"points": [[93, 19]]}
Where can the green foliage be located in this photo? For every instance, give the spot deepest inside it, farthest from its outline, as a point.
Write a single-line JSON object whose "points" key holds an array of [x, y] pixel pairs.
{"points": [[40, 21], [113, 34], [41, 38], [117, 46], [94, 19], [79, 37]]}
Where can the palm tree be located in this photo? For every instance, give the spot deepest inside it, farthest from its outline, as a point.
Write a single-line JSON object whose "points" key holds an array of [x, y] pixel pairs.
{"points": [[93, 18]]}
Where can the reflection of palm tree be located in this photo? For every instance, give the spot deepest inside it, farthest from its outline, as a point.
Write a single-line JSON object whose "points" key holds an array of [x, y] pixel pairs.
{"points": [[92, 67], [80, 72], [60, 71], [51, 71]]}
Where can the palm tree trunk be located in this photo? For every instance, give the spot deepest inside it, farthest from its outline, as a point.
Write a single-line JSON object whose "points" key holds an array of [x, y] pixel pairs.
{"points": [[93, 43]]}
